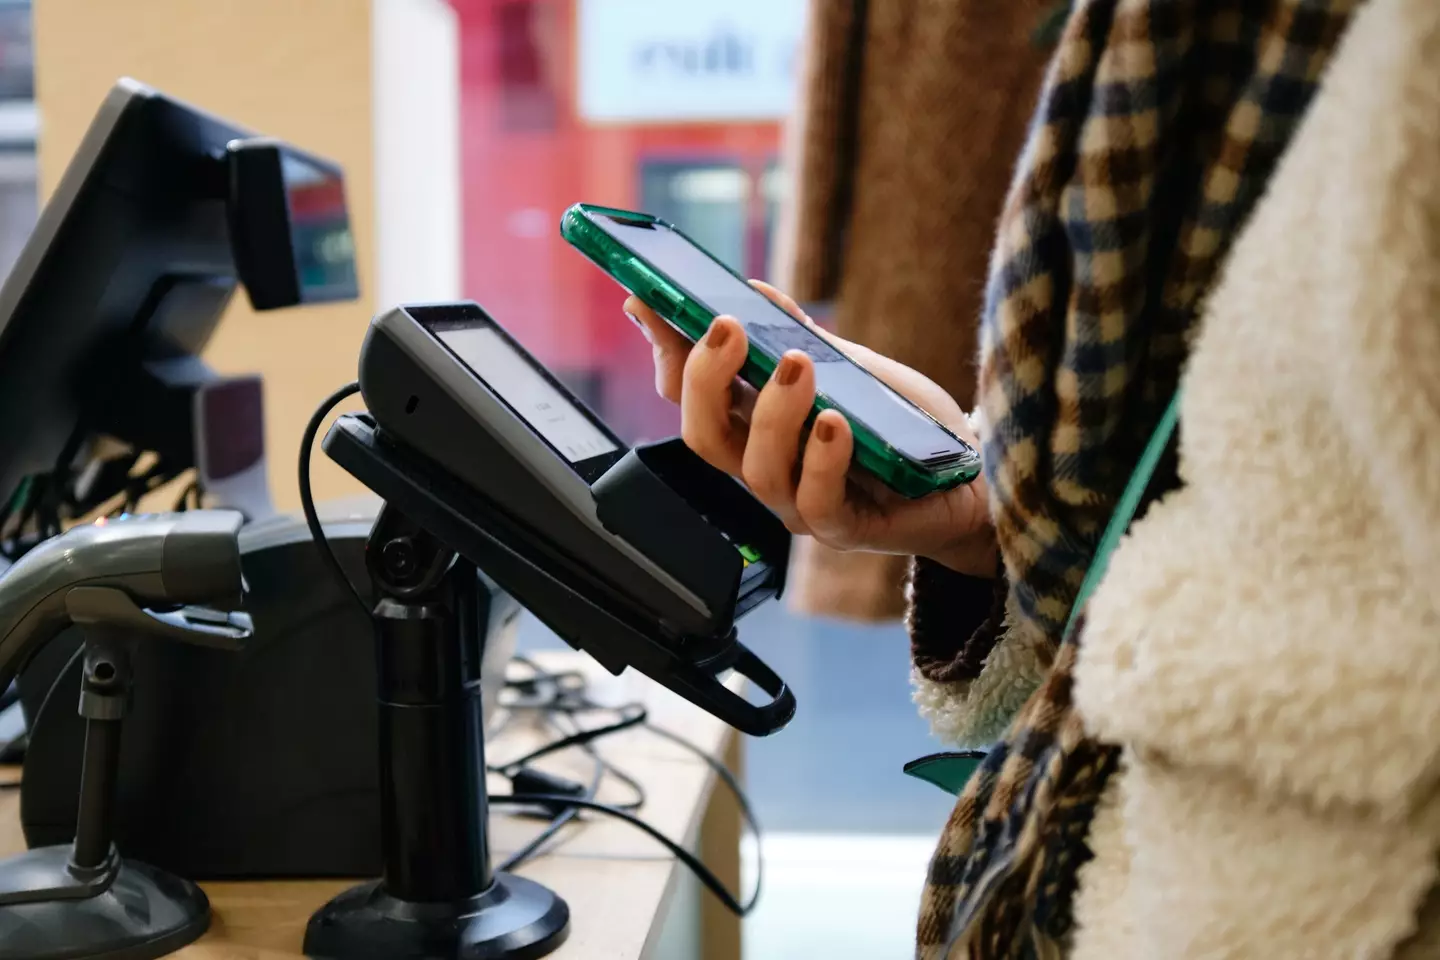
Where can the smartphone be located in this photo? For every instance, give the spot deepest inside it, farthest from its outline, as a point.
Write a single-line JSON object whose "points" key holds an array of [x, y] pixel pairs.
{"points": [[900, 444]]}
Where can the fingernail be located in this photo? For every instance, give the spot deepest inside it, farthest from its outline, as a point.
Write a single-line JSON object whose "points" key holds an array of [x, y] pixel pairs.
{"points": [[717, 335], [788, 371], [644, 330], [824, 430]]}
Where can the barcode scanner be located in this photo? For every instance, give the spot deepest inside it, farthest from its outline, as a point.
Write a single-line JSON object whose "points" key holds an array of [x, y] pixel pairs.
{"points": [[149, 569], [172, 578]]}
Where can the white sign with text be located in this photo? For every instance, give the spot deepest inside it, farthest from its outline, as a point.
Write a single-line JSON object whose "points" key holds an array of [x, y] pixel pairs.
{"points": [[651, 61]]}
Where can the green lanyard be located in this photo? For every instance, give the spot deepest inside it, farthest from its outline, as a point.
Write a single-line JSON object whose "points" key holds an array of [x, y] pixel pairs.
{"points": [[1129, 503]]}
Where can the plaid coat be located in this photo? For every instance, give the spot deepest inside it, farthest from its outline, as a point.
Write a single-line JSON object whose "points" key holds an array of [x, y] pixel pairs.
{"points": [[1156, 133]]}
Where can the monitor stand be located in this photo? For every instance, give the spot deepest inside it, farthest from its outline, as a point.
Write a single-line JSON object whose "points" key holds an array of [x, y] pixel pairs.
{"points": [[439, 896]]}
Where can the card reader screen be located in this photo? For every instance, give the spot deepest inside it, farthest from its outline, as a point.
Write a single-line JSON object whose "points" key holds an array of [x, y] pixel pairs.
{"points": [[534, 398]]}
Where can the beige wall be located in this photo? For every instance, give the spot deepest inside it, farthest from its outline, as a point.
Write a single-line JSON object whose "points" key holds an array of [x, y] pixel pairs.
{"points": [[297, 69]]}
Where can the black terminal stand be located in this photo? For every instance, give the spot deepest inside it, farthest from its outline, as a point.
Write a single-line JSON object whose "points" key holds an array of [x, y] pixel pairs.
{"points": [[83, 901], [561, 594], [644, 562], [439, 896]]}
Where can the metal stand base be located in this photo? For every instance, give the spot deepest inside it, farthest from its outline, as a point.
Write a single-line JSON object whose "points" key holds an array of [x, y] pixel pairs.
{"points": [[123, 911], [516, 919]]}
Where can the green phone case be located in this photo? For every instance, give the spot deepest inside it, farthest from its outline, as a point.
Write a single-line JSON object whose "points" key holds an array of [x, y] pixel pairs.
{"points": [[692, 318]]}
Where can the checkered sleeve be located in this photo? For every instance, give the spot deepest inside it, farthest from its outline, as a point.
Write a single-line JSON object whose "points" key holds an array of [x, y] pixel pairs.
{"points": [[973, 663], [953, 620]]}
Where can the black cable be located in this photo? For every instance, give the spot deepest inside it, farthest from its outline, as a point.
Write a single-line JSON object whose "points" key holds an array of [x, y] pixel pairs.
{"points": [[565, 694], [15, 547], [58, 484], [558, 822], [609, 769], [702, 872], [8, 509], [742, 800], [559, 686], [191, 497], [539, 840], [136, 487], [605, 767], [582, 737], [726, 776], [307, 498], [567, 698]]}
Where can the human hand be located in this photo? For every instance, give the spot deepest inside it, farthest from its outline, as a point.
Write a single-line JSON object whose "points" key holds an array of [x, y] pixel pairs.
{"points": [[759, 438]]}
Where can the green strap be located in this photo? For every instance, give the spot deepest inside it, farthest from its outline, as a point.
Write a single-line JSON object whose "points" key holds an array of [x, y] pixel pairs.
{"points": [[950, 771], [1129, 503]]}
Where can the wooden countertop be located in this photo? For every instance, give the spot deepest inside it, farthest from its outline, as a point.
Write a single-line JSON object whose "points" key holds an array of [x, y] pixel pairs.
{"points": [[617, 882]]}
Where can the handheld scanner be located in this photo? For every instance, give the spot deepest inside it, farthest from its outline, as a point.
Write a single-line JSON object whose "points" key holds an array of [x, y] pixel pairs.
{"points": [[162, 561], [650, 532]]}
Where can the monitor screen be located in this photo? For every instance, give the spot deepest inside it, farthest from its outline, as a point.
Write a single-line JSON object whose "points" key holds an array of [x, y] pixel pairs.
{"points": [[530, 394], [319, 230], [129, 263]]}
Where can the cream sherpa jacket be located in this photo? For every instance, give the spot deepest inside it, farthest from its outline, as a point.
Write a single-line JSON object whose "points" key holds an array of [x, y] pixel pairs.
{"points": [[1266, 644]]}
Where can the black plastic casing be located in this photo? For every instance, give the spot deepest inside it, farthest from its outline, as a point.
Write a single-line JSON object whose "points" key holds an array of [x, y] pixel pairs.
{"points": [[663, 500], [262, 226], [433, 460], [687, 517], [584, 613]]}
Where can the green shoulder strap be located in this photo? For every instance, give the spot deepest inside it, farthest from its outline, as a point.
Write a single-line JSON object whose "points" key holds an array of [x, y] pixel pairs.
{"points": [[950, 771], [1129, 502]]}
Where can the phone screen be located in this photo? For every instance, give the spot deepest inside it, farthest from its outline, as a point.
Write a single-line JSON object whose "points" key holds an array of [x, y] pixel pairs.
{"points": [[844, 383]]}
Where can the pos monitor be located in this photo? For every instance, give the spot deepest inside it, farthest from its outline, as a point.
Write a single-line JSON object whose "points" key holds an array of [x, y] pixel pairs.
{"points": [[162, 211]]}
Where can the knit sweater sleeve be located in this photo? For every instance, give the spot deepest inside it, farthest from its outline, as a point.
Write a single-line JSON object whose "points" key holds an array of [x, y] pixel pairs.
{"points": [[972, 664]]}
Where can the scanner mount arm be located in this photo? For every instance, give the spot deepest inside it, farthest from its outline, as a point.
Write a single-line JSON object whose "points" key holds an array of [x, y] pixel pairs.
{"points": [[109, 610]]}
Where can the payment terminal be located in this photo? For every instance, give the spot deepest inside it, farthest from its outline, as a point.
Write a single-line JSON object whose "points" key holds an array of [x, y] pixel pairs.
{"points": [[644, 557]]}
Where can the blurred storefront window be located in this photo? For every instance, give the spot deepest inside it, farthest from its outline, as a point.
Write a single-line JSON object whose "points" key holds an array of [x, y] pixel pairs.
{"points": [[17, 65], [19, 196], [707, 201], [669, 107]]}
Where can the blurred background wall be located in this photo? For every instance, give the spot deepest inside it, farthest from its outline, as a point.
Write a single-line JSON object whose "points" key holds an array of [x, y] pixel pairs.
{"points": [[371, 85]]}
